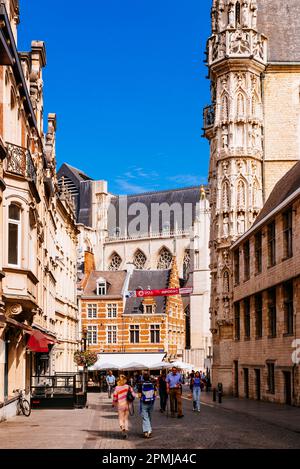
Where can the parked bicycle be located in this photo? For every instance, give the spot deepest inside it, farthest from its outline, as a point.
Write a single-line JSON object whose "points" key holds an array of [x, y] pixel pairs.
{"points": [[23, 405]]}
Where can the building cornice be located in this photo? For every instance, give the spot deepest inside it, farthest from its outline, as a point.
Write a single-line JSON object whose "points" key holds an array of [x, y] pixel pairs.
{"points": [[283, 67]]}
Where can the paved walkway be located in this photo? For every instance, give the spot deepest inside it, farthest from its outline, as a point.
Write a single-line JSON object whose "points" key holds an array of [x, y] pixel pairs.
{"points": [[281, 415], [216, 426]]}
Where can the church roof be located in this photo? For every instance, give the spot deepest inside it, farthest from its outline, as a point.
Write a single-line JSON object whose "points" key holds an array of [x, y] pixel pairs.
{"points": [[279, 21], [285, 187], [180, 197]]}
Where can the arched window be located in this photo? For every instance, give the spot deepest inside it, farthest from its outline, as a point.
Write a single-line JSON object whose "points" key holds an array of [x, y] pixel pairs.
{"points": [[225, 108], [186, 264], [225, 195], [241, 194], [115, 262], [14, 234], [238, 14], [240, 105], [139, 260], [165, 259], [226, 282], [101, 286]]}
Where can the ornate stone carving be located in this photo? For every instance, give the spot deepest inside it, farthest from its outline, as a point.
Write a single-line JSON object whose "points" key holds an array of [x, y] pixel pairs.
{"points": [[239, 43], [14, 310]]}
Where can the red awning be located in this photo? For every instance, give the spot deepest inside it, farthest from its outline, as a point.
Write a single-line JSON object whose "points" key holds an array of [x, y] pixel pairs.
{"points": [[38, 342]]}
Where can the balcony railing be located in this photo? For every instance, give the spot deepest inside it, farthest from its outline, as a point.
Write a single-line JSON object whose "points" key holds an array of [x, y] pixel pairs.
{"points": [[19, 161], [208, 116], [161, 234]]}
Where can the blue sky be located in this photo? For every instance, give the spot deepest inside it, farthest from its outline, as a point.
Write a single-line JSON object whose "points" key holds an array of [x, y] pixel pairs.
{"points": [[126, 79]]}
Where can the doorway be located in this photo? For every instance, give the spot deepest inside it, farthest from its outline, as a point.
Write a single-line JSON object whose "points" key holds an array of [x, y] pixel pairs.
{"points": [[288, 387], [246, 383], [257, 384]]}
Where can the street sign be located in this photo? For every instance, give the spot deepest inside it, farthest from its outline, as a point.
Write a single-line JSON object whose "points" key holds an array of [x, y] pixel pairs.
{"points": [[164, 292]]}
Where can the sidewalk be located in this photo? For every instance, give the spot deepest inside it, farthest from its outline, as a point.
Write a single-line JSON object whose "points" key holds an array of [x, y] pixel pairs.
{"points": [[284, 416]]}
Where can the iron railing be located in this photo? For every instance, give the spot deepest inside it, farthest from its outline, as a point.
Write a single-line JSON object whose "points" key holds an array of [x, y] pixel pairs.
{"points": [[19, 161], [208, 116]]}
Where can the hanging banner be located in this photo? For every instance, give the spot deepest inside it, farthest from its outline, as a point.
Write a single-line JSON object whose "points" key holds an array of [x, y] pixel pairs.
{"points": [[165, 292]]}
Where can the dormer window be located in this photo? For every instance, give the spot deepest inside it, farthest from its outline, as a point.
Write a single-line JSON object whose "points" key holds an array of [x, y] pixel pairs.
{"points": [[101, 286]]}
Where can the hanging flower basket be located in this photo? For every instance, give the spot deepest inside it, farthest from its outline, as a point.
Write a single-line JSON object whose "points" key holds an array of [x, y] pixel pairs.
{"points": [[85, 358]]}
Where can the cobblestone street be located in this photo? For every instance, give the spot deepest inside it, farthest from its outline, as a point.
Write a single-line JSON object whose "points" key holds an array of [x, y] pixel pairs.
{"points": [[232, 424]]}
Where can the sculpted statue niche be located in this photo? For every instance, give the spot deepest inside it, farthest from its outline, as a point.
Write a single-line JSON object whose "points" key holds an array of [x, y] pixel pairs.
{"points": [[225, 226], [241, 223]]}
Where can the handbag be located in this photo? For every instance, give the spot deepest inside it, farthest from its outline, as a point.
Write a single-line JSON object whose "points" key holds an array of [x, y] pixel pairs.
{"points": [[130, 397]]}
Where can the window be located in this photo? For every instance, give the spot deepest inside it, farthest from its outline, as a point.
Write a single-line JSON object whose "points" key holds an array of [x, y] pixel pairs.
{"points": [[288, 293], [272, 312], [271, 244], [288, 234], [92, 311], [134, 334], [186, 264], [154, 333], [92, 333], [111, 310], [139, 260], [149, 309], [258, 252], [165, 259], [237, 322], [271, 378], [115, 262], [258, 315], [246, 250], [111, 333], [236, 256], [247, 317], [101, 286], [14, 234]]}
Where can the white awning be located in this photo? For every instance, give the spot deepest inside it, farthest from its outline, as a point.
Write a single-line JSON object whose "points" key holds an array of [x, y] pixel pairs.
{"points": [[123, 360]]}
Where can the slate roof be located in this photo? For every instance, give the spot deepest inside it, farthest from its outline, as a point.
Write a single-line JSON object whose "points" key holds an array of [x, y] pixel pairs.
{"points": [[182, 196], [279, 20], [288, 184], [153, 279], [115, 282]]}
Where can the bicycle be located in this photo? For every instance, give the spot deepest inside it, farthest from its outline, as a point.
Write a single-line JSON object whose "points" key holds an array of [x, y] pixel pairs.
{"points": [[23, 405]]}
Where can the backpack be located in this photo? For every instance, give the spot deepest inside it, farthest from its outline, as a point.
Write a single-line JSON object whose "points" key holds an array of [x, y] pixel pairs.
{"points": [[148, 393]]}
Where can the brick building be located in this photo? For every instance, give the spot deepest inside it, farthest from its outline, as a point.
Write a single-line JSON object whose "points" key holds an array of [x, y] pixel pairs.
{"points": [[115, 323], [266, 299]]}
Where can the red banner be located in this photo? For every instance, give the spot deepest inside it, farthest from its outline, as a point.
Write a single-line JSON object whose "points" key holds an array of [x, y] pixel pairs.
{"points": [[165, 292]]}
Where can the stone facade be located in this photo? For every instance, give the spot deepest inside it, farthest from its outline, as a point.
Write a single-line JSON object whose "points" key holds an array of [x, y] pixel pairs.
{"points": [[251, 144], [37, 223]]}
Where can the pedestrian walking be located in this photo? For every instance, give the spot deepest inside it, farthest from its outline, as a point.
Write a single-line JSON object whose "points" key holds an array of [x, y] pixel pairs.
{"points": [[120, 400], [147, 394], [196, 382], [111, 382], [174, 389], [162, 389]]}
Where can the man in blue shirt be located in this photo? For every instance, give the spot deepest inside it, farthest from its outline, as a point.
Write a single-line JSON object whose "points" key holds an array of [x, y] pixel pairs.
{"points": [[111, 382], [174, 382]]}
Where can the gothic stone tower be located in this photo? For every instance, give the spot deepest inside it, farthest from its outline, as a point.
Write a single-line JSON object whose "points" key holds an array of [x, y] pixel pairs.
{"points": [[253, 127], [236, 55]]}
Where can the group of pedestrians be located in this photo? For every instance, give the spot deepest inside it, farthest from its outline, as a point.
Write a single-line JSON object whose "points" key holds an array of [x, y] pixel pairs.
{"points": [[145, 388]]}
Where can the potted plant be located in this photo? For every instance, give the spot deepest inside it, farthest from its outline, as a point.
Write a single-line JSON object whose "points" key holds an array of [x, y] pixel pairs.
{"points": [[85, 358]]}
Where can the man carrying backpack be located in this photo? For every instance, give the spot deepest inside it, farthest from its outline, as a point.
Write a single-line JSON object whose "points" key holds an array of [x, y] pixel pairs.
{"points": [[147, 393]]}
